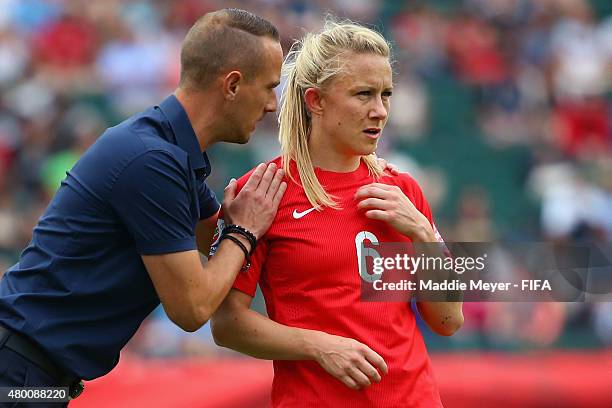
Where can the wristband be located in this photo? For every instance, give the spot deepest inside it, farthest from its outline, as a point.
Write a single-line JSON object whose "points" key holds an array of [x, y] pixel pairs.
{"points": [[247, 259], [237, 229]]}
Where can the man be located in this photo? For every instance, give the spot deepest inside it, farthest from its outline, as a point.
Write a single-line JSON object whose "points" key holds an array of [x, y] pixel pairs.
{"points": [[121, 233]]}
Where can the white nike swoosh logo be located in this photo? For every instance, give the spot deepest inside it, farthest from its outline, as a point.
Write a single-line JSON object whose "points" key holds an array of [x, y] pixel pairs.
{"points": [[297, 215]]}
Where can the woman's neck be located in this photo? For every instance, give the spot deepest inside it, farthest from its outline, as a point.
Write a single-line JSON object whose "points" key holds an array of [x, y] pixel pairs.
{"points": [[326, 156]]}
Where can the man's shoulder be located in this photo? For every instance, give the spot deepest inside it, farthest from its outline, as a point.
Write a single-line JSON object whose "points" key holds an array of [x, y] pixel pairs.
{"points": [[145, 128], [141, 134], [133, 144]]}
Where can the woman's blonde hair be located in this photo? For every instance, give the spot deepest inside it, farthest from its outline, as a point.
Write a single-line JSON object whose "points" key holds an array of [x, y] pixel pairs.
{"points": [[310, 63]]}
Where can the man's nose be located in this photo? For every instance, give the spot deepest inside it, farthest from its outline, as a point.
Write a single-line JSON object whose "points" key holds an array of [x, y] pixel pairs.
{"points": [[272, 104]]}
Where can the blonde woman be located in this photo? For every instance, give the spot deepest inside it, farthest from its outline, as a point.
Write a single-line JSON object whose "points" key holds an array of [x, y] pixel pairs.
{"points": [[328, 347]]}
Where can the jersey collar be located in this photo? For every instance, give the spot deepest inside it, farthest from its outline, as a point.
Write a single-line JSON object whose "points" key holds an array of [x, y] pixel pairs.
{"points": [[184, 134]]}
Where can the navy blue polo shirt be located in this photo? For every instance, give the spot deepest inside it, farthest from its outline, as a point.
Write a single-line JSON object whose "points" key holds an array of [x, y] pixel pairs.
{"points": [[80, 289]]}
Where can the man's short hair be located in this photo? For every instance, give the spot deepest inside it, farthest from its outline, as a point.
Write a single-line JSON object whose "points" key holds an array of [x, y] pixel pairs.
{"points": [[220, 41]]}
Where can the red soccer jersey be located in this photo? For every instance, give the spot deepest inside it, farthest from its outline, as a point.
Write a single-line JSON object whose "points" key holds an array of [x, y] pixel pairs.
{"points": [[307, 267]]}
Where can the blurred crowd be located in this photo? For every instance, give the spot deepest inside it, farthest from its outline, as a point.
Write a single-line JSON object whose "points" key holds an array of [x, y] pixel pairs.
{"points": [[502, 109]]}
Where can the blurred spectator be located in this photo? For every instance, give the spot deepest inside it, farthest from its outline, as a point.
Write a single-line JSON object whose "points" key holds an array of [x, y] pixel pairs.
{"points": [[581, 60], [474, 222], [563, 215], [82, 125], [135, 70], [474, 48], [65, 44], [14, 57], [420, 36]]}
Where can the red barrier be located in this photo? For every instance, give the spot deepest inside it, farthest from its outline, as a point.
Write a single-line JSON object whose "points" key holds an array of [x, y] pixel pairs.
{"points": [[189, 383], [538, 380], [474, 379]]}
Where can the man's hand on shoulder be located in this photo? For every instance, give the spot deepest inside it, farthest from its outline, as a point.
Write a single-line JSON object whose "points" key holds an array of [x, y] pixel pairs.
{"points": [[390, 167], [255, 206]]}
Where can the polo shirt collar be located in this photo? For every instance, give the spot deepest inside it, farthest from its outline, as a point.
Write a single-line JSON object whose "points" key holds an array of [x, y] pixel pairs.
{"points": [[184, 134]]}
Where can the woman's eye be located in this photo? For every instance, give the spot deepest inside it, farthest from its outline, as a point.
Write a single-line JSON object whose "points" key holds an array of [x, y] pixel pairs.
{"points": [[365, 93], [387, 94]]}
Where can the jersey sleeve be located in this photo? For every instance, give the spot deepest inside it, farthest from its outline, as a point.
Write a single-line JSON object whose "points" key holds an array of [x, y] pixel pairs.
{"points": [[246, 281], [152, 199]]}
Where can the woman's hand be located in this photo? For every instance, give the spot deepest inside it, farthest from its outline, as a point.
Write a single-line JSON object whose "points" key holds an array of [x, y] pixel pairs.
{"points": [[389, 204]]}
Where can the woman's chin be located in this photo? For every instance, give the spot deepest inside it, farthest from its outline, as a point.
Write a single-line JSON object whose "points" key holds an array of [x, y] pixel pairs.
{"points": [[367, 150]]}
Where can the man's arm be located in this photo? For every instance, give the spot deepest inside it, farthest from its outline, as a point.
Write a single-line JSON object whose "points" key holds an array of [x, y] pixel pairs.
{"points": [[190, 292], [236, 326], [205, 230]]}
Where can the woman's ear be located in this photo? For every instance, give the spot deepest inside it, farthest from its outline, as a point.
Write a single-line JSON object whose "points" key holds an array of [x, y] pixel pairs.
{"points": [[313, 99]]}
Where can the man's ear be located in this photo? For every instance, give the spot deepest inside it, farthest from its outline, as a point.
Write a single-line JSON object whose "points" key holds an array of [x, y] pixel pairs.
{"points": [[231, 85], [313, 99]]}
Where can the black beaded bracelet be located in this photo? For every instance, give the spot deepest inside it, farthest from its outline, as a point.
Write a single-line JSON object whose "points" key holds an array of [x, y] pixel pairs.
{"points": [[247, 258], [237, 229]]}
